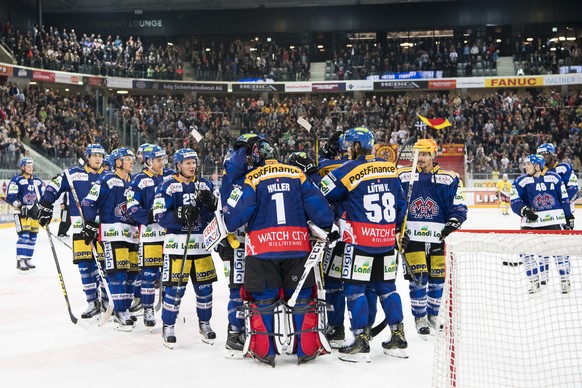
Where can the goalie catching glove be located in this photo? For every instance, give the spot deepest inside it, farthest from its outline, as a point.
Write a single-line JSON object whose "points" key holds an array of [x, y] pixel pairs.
{"points": [[529, 213], [449, 228]]}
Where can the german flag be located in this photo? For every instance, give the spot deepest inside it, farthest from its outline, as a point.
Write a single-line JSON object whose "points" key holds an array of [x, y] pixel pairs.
{"points": [[435, 123]]}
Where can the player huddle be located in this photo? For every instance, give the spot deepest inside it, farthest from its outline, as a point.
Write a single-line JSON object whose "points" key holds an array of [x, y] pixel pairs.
{"points": [[360, 215]]}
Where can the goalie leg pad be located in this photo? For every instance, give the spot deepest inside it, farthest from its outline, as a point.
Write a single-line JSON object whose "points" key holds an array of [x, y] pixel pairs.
{"points": [[259, 316], [309, 340]]}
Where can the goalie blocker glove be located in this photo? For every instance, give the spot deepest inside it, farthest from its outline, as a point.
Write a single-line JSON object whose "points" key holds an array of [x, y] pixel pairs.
{"points": [[528, 213], [449, 228], [46, 214], [89, 232]]}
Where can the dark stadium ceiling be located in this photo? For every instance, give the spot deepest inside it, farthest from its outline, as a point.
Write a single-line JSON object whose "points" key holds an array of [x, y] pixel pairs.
{"points": [[81, 6]]}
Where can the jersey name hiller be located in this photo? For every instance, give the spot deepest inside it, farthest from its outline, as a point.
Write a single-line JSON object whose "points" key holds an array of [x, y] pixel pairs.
{"points": [[278, 187]]}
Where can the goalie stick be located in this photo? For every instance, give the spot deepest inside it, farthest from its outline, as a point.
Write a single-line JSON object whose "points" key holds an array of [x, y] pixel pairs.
{"points": [[107, 314]]}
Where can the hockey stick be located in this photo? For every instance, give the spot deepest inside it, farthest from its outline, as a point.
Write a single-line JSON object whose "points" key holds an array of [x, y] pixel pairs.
{"points": [[305, 124], [183, 267], [406, 143], [403, 227], [74, 319], [63, 241], [312, 260], [107, 314]]}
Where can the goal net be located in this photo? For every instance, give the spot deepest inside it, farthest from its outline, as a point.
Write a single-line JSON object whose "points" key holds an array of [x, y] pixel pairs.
{"points": [[511, 313]]}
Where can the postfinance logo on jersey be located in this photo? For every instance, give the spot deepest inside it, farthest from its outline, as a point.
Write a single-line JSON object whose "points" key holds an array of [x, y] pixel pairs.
{"points": [[369, 171]]}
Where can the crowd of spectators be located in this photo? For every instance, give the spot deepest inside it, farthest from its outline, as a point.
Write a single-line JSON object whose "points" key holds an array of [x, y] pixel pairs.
{"points": [[92, 54], [239, 59], [498, 129], [233, 59]]}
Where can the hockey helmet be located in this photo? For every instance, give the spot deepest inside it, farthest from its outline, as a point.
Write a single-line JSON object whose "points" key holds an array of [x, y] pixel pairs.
{"points": [[95, 148], [119, 153], [426, 145], [26, 161], [361, 135], [140, 149], [152, 151], [262, 150], [546, 149], [341, 142], [536, 159], [183, 154]]}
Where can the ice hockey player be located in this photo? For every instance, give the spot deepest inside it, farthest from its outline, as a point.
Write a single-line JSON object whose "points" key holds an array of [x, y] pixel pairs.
{"points": [[136, 304], [373, 208], [184, 205], [436, 209], [503, 189], [22, 195], [84, 177], [564, 170], [275, 202], [236, 166], [140, 202], [117, 231], [541, 191]]}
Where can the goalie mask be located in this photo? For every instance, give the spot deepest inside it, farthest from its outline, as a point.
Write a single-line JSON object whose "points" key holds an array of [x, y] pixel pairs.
{"points": [[263, 150]]}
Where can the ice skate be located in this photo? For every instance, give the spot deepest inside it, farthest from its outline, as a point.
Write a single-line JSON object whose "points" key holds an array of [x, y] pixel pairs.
{"points": [[336, 336], [565, 284], [235, 342], [358, 351], [433, 324], [422, 326], [208, 335], [94, 308], [169, 336], [149, 319], [123, 321], [28, 263], [397, 343], [21, 266], [534, 286], [136, 306]]}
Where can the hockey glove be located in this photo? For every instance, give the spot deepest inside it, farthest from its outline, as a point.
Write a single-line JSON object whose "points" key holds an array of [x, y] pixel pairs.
{"points": [[46, 214], [449, 228], [333, 236], [331, 149], [90, 232], [305, 163], [186, 213], [208, 199], [404, 242], [569, 223], [529, 213], [30, 212]]}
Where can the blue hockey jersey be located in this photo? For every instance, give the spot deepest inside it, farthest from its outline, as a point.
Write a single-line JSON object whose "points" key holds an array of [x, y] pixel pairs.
{"points": [[83, 179], [276, 200], [373, 202], [176, 192], [437, 197], [107, 199], [140, 201], [546, 195], [570, 179], [22, 192]]}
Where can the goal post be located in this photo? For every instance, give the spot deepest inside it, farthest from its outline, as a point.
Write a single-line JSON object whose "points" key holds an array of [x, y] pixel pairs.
{"points": [[494, 329]]}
